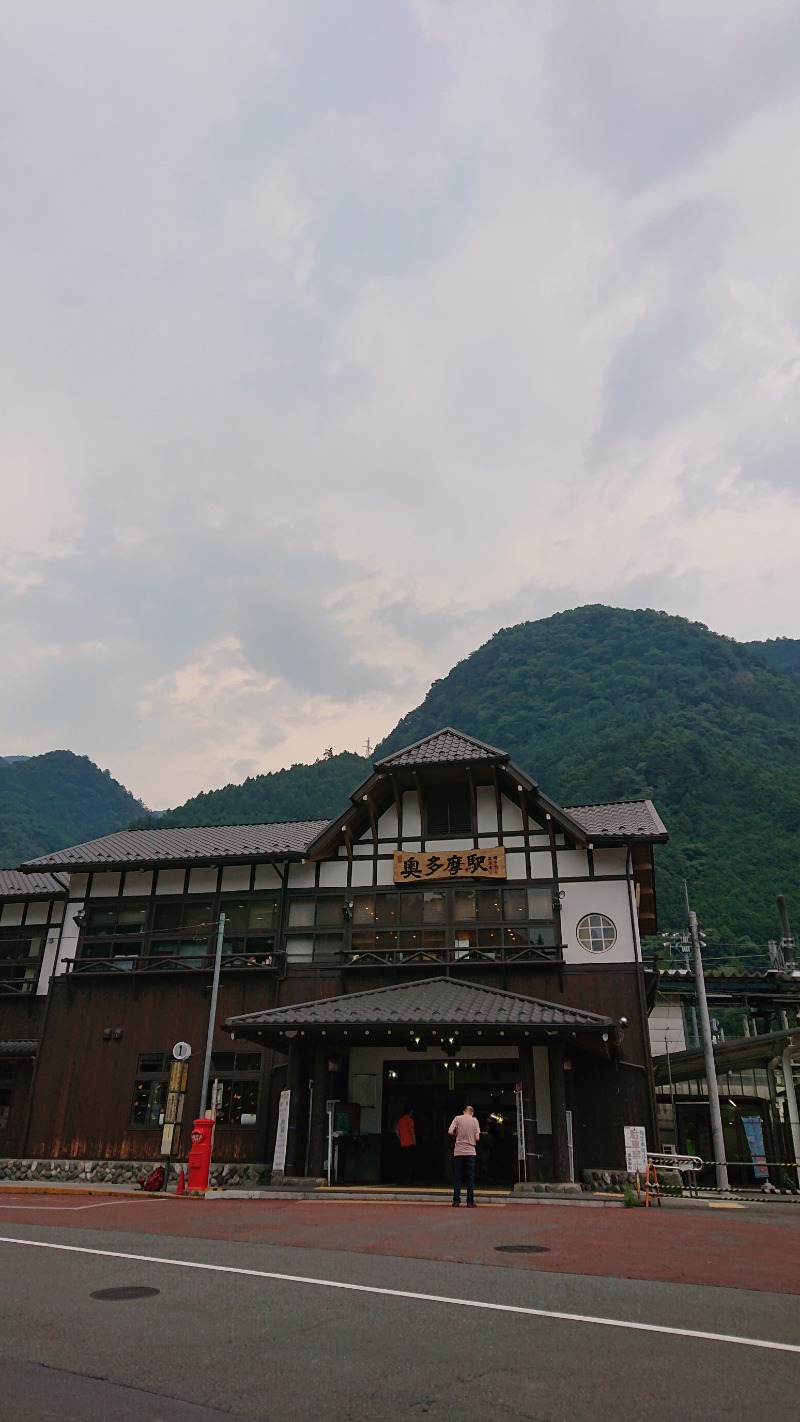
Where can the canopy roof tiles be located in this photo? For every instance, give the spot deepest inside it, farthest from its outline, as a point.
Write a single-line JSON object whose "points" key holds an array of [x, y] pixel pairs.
{"points": [[431, 1002], [203, 845], [19, 1047], [14, 884], [445, 747]]}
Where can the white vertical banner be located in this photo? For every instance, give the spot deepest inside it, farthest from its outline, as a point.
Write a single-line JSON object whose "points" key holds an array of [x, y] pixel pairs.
{"points": [[281, 1135], [520, 1121], [635, 1150]]}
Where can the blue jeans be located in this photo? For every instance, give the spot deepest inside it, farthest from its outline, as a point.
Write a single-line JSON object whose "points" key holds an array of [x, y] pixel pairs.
{"points": [[464, 1169]]}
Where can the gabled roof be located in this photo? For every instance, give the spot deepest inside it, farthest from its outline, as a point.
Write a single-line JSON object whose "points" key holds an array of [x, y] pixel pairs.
{"points": [[445, 747], [16, 885], [203, 845], [623, 819], [431, 1002]]}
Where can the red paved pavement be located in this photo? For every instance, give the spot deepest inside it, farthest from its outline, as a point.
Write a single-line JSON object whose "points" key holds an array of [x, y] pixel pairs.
{"points": [[697, 1246]]}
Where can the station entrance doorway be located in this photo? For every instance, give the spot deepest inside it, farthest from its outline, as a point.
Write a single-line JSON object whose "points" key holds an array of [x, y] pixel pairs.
{"points": [[437, 1091]]}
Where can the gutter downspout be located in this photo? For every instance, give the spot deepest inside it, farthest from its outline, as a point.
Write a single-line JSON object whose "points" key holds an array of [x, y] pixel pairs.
{"points": [[791, 1104]]}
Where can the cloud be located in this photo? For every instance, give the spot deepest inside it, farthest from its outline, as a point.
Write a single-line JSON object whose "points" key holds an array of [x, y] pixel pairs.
{"points": [[336, 337]]}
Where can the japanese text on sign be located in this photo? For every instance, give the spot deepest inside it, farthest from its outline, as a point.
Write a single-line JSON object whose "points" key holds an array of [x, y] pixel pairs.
{"points": [[456, 864]]}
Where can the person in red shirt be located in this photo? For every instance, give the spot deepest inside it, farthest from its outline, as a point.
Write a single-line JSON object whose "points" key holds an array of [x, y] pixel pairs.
{"points": [[407, 1136], [466, 1133]]}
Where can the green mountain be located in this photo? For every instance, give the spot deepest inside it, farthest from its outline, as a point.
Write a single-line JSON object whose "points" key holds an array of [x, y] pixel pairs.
{"points": [[303, 792], [601, 703], [782, 653], [48, 801]]}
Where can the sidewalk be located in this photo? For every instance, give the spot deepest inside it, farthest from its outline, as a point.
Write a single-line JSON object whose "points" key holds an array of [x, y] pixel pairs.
{"points": [[367, 1194]]}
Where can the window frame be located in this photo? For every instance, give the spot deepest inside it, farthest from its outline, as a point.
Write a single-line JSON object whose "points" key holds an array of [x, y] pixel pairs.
{"points": [[586, 922], [233, 1077], [150, 1078]]}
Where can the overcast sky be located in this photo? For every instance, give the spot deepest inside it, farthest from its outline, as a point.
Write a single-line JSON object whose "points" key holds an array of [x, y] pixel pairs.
{"points": [[336, 336]]}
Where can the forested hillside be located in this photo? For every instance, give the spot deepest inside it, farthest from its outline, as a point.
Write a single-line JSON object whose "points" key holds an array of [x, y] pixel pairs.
{"points": [[303, 792], [49, 801], [597, 704], [602, 703]]}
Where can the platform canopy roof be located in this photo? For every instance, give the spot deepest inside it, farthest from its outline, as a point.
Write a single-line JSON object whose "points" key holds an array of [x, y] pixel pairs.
{"points": [[728, 1056], [431, 1010]]}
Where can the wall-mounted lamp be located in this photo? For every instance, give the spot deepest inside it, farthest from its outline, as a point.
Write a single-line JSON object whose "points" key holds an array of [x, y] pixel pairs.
{"points": [[79, 918]]}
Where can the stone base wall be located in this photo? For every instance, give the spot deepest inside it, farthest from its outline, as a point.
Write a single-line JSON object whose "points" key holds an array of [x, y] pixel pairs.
{"points": [[670, 1180], [126, 1172]]}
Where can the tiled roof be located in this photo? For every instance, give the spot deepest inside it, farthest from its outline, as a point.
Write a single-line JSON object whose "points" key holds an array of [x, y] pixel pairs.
{"points": [[432, 1002], [205, 844], [625, 819], [19, 1047], [16, 885], [446, 747]]}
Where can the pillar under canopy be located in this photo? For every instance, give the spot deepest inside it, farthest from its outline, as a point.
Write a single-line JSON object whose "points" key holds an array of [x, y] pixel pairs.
{"points": [[297, 1082], [532, 1163], [319, 1116], [558, 1101]]}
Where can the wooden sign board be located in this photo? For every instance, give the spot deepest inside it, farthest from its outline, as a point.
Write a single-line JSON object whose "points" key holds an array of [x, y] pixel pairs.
{"points": [[420, 866]]}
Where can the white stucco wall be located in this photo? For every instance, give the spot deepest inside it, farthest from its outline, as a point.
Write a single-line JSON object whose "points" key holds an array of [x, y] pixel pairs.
{"points": [[609, 897]]}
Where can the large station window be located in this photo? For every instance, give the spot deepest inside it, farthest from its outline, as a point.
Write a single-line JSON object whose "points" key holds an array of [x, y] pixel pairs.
{"points": [[488, 920], [183, 929], [250, 926], [239, 1077], [20, 955], [315, 930], [6, 1084], [114, 930], [150, 1090]]}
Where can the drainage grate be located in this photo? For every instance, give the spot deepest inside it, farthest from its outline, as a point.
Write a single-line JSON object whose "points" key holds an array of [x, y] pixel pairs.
{"points": [[522, 1249], [128, 1291]]}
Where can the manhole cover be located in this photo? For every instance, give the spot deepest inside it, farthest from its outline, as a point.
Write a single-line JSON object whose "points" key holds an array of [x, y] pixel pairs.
{"points": [[128, 1291], [522, 1249]]}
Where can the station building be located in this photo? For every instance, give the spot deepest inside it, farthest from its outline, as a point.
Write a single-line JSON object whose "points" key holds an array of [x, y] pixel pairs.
{"points": [[452, 933]]}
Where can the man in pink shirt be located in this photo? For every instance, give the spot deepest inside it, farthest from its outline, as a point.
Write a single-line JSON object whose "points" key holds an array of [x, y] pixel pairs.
{"points": [[466, 1133]]}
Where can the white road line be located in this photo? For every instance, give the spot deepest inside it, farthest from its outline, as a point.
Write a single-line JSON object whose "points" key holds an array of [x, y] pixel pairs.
{"points": [[72, 1209], [407, 1294]]}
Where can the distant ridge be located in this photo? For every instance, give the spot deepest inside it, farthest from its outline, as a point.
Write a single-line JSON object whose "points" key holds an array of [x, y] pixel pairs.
{"points": [[51, 800]]}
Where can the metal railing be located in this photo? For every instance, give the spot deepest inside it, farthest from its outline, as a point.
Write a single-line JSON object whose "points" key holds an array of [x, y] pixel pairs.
{"points": [[410, 958], [191, 962]]}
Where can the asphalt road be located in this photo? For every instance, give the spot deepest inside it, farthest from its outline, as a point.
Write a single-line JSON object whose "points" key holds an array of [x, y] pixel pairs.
{"points": [[227, 1341]]}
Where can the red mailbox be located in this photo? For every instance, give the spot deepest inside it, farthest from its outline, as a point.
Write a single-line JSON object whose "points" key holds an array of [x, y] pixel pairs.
{"points": [[200, 1154]]}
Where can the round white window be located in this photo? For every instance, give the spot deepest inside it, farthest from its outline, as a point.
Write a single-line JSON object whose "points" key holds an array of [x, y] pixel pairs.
{"points": [[596, 933]]}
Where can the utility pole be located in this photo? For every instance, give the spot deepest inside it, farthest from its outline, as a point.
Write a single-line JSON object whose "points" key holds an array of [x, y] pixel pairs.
{"points": [[708, 1052], [212, 1013]]}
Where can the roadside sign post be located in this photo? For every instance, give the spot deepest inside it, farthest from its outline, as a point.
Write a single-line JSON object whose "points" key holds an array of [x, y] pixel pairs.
{"points": [[282, 1133], [636, 1153]]}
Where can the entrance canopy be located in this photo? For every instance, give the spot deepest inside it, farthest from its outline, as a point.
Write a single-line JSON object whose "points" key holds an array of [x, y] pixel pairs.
{"points": [[434, 1011]]}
